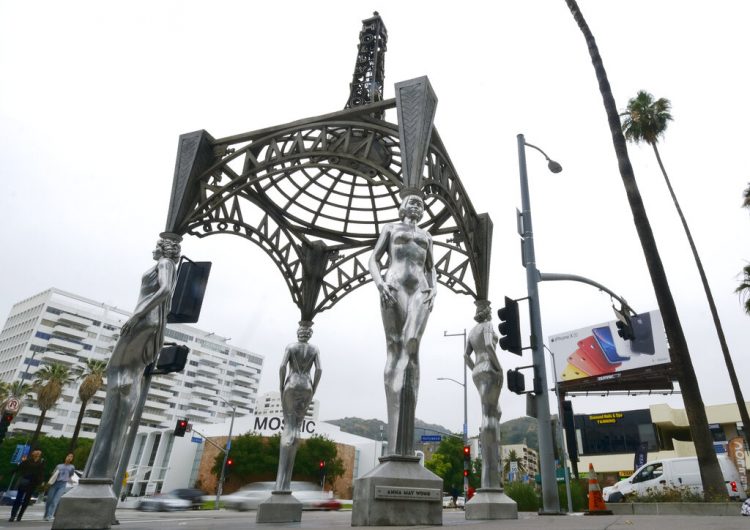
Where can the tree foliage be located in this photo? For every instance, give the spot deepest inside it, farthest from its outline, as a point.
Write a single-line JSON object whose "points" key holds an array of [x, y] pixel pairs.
{"points": [[256, 458], [646, 118], [54, 450], [48, 385], [447, 462]]}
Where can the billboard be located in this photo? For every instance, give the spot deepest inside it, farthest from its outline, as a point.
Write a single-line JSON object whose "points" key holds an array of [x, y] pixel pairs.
{"points": [[597, 358]]}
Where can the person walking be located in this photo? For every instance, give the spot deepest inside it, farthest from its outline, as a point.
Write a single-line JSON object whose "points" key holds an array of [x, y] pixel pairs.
{"points": [[30, 475], [60, 478]]}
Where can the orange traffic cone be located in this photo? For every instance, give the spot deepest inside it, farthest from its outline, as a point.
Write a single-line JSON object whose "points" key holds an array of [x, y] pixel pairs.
{"points": [[596, 501]]}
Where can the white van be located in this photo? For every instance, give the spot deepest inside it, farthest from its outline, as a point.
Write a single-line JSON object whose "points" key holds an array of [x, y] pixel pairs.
{"points": [[674, 472]]}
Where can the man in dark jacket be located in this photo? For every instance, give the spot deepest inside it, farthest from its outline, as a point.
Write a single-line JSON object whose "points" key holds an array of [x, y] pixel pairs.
{"points": [[30, 475]]}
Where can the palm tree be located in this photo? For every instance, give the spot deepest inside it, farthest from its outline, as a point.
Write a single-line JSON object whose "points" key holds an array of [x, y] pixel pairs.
{"points": [[513, 457], [711, 477], [48, 385], [17, 389], [744, 288], [93, 380], [646, 120]]}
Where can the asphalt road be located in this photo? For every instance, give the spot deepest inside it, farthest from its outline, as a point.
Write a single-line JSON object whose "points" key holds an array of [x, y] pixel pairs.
{"points": [[230, 520]]}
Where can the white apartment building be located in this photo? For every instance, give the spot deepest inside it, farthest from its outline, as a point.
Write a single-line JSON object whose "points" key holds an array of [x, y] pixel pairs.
{"points": [[57, 326], [527, 458]]}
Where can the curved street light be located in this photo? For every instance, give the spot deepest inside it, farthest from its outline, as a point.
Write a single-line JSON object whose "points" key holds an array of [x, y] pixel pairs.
{"points": [[550, 497]]}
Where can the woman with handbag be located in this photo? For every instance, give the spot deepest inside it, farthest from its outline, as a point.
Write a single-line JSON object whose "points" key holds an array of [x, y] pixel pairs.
{"points": [[60, 477]]}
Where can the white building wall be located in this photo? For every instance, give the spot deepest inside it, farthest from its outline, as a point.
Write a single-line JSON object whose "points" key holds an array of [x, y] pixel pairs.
{"points": [[180, 461]]}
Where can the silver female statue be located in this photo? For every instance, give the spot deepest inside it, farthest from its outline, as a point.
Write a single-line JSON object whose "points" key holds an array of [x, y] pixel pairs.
{"points": [[488, 377], [407, 294], [141, 340], [297, 390]]}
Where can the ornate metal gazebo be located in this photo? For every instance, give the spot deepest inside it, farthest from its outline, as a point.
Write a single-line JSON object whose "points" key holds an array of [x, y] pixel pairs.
{"points": [[315, 193]]}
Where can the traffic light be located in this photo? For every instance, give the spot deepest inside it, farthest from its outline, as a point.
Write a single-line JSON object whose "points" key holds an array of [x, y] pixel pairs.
{"points": [[467, 460], [510, 327], [5, 423], [187, 297], [625, 330], [180, 428], [516, 382], [322, 471], [172, 358]]}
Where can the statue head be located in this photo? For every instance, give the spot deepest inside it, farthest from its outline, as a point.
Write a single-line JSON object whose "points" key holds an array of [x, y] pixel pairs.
{"points": [[304, 331], [411, 206], [167, 248], [484, 311]]}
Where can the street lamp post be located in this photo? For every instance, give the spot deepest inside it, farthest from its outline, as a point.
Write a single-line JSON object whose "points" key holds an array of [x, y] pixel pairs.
{"points": [[563, 448], [227, 447], [550, 498], [466, 419]]}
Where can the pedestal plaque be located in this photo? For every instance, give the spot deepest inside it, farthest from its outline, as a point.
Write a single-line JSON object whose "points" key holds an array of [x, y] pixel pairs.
{"points": [[88, 506], [491, 503], [280, 507], [398, 492]]}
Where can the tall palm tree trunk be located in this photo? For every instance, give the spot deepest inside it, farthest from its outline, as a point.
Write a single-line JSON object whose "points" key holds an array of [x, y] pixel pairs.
{"points": [[711, 477], [79, 421], [38, 430], [711, 304]]}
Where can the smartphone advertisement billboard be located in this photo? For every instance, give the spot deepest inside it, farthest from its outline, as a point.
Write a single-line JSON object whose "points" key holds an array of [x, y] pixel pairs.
{"points": [[596, 356]]}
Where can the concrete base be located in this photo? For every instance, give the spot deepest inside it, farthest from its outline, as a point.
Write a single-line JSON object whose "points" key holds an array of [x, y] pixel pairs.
{"points": [[280, 507], [398, 492], [88, 506], [491, 503]]}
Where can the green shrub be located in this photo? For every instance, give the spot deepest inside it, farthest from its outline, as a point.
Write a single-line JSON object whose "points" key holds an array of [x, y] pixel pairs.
{"points": [[668, 494], [525, 495], [579, 493]]}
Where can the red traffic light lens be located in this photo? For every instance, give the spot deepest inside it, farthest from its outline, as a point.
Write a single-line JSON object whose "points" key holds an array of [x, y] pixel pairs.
{"points": [[467, 450], [322, 464], [230, 462], [466, 472]]}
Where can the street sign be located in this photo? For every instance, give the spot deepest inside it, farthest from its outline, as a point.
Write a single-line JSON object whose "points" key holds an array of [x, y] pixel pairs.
{"points": [[13, 404], [21, 451], [431, 438], [196, 439]]}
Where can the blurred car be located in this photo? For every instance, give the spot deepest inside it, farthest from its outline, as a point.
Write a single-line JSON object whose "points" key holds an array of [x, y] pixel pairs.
{"points": [[8, 497], [250, 496], [448, 502], [168, 502], [194, 495]]}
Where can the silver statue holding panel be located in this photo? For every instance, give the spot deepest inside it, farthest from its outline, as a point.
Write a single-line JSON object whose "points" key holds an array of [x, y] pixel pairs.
{"points": [[407, 294], [297, 390], [488, 378], [141, 340]]}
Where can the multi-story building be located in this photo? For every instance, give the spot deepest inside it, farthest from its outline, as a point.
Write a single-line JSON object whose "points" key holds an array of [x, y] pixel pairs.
{"points": [[60, 327], [526, 458]]}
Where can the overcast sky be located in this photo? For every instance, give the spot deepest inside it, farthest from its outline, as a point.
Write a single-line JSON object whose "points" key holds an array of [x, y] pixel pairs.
{"points": [[93, 97]]}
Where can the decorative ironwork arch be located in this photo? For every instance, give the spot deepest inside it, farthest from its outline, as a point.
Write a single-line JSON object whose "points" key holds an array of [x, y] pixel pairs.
{"points": [[314, 195]]}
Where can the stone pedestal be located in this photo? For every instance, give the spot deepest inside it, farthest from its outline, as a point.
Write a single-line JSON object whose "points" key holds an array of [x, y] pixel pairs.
{"points": [[280, 507], [88, 506], [398, 492], [491, 503]]}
